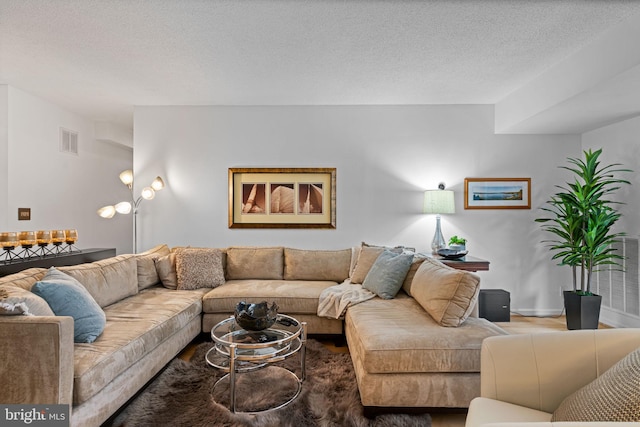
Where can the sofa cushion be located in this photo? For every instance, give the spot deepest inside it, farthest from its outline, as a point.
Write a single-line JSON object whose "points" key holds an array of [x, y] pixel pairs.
{"points": [[255, 263], [387, 274], [291, 296], [24, 279], [301, 264], [199, 268], [613, 396], [67, 297], [135, 326], [398, 336], [15, 300], [447, 294], [147, 273], [109, 280], [166, 267]]}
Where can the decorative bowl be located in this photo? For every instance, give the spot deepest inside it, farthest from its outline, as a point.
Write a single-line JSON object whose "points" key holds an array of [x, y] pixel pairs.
{"points": [[256, 317], [451, 254]]}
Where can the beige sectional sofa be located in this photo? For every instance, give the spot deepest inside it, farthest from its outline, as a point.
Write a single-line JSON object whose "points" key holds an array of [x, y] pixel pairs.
{"points": [[402, 356]]}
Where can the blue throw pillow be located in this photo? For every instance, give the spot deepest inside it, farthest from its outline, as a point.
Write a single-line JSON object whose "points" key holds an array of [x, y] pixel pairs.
{"points": [[387, 274], [67, 297]]}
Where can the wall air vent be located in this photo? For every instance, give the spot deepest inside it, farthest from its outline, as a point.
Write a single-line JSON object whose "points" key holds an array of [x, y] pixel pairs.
{"points": [[620, 287], [68, 141]]}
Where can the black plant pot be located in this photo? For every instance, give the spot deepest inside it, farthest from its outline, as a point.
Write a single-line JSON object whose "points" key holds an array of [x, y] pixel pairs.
{"points": [[583, 311]]}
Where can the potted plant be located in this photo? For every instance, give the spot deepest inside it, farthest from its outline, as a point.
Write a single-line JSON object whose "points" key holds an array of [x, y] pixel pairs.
{"points": [[581, 216], [457, 243]]}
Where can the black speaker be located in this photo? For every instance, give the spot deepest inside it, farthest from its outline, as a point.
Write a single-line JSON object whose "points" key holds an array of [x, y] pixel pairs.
{"points": [[495, 305]]}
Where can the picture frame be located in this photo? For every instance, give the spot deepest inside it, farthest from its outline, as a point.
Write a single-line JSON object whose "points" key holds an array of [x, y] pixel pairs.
{"points": [[497, 193], [282, 198]]}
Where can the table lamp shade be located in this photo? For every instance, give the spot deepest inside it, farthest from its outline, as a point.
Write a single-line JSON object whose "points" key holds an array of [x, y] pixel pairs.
{"points": [[439, 202]]}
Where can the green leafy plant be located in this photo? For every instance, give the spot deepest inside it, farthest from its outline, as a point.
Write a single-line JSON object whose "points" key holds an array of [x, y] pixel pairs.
{"points": [[582, 216], [455, 240]]}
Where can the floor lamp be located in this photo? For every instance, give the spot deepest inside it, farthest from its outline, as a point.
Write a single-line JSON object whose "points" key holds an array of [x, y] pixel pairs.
{"points": [[438, 202], [147, 193]]}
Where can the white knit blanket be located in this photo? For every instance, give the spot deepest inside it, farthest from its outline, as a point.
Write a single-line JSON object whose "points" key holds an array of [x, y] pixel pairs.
{"points": [[335, 300]]}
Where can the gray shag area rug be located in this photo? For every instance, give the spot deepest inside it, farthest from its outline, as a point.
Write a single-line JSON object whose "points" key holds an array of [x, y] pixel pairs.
{"points": [[183, 395]]}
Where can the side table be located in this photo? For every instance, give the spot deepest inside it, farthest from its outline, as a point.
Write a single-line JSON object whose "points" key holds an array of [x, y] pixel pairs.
{"points": [[467, 263]]}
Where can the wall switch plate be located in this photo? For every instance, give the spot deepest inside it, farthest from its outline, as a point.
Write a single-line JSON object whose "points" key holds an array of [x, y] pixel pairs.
{"points": [[24, 214]]}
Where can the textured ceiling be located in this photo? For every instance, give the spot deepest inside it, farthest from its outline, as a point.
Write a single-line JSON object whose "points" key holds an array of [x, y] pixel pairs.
{"points": [[100, 58]]}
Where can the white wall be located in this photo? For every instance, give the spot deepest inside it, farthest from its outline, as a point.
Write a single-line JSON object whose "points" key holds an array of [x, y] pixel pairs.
{"points": [[620, 143], [62, 190], [4, 148], [385, 156]]}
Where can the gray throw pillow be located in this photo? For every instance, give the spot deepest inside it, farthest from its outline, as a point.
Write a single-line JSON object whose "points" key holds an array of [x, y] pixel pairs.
{"points": [[387, 274], [67, 297]]}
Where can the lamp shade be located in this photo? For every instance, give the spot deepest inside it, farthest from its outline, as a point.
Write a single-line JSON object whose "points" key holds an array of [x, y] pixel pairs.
{"points": [[148, 193], [126, 177], [157, 184], [439, 202], [107, 211], [123, 207]]}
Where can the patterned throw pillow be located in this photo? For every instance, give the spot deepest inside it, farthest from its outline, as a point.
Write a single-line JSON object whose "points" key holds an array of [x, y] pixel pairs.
{"points": [[199, 268], [613, 396]]}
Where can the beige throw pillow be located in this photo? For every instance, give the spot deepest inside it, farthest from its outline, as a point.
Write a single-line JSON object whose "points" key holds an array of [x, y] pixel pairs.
{"points": [[613, 396], [166, 267], [147, 272], [418, 259], [367, 256], [366, 259], [199, 268], [447, 294]]}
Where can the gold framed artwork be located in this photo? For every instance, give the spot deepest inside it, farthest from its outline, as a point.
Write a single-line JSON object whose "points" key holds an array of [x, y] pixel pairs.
{"points": [[497, 193], [282, 198]]}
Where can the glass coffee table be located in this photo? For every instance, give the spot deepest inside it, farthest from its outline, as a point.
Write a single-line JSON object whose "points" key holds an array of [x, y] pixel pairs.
{"points": [[237, 351]]}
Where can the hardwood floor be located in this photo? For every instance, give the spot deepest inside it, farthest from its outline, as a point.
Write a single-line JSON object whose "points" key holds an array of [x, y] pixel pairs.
{"points": [[518, 325]]}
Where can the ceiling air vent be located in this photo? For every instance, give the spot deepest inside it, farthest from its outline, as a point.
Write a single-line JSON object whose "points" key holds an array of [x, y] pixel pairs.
{"points": [[68, 141]]}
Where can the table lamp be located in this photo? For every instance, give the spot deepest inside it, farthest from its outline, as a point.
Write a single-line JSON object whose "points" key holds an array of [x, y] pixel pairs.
{"points": [[438, 202]]}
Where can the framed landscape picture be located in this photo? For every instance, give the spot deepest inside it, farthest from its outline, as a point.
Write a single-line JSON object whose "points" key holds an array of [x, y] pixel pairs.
{"points": [[282, 198], [497, 193]]}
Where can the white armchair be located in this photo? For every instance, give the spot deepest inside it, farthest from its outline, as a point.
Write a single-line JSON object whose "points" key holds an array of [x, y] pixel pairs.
{"points": [[524, 378]]}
